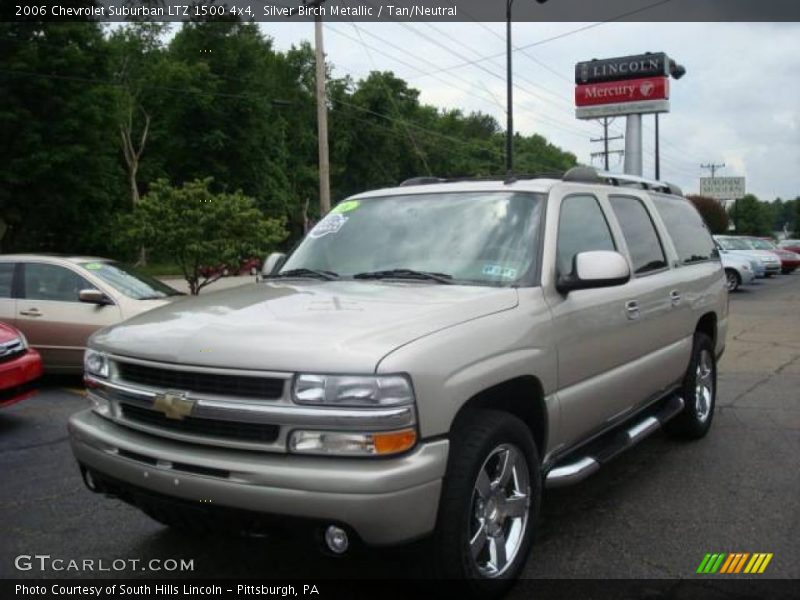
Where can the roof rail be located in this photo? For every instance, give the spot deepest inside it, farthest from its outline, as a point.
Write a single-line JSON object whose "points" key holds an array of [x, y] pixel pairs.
{"points": [[591, 175], [421, 181]]}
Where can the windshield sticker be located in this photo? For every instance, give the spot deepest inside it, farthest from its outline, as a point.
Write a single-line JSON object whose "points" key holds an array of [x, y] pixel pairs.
{"points": [[499, 271], [344, 207], [93, 266], [330, 224]]}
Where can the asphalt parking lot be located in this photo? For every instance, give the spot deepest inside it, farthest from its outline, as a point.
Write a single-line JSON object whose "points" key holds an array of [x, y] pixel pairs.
{"points": [[654, 513]]}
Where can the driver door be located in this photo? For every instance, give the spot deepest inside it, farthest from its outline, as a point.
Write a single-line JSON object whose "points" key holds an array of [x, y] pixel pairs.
{"points": [[52, 317]]}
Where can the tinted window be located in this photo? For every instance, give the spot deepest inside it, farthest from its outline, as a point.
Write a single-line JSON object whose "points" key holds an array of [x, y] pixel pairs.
{"points": [[51, 282], [687, 230], [640, 234], [6, 277], [582, 227]]}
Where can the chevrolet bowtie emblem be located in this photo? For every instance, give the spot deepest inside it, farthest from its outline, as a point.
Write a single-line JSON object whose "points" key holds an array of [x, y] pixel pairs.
{"points": [[175, 405]]}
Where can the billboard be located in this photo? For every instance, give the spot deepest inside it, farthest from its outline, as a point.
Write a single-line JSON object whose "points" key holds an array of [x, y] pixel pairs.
{"points": [[722, 188]]}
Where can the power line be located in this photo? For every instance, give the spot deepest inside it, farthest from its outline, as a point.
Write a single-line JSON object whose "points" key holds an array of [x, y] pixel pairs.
{"points": [[712, 167]]}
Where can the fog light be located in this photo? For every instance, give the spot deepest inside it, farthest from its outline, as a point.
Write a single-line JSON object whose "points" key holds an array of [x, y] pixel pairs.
{"points": [[336, 539], [99, 404]]}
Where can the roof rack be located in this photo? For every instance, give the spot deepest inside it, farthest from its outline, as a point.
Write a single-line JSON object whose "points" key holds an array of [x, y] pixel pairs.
{"points": [[592, 175], [579, 174], [427, 180]]}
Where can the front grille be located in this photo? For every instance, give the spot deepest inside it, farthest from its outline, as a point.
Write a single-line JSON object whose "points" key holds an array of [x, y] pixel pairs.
{"points": [[12, 349], [209, 383], [250, 432]]}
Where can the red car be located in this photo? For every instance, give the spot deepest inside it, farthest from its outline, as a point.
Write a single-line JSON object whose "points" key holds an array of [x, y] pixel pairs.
{"points": [[247, 266], [789, 260], [20, 366]]}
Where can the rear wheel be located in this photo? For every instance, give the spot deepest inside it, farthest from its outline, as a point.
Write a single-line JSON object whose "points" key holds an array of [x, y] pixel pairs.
{"points": [[699, 392], [732, 279], [489, 503]]}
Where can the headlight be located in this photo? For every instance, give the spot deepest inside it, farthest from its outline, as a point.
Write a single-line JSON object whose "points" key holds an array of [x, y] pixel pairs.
{"points": [[95, 363], [352, 390], [24, 340]]}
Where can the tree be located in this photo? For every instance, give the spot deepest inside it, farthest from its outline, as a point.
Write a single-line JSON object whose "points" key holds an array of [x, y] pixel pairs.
{"points": [[199, 228], [713, 213], [751, 216]]}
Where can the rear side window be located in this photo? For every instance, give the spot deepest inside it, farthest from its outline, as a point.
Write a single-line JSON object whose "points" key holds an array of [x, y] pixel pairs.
{"points": [[6, 278], [582, 227], [692, 239], [640, 234]]}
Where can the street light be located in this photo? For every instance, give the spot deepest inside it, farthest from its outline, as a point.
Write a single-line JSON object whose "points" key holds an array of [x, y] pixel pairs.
{"points": [[509, 97]]}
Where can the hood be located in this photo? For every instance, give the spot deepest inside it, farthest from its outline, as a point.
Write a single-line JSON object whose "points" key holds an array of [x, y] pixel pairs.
{"points": [[8, 333], [337, 326], [768, 254]]}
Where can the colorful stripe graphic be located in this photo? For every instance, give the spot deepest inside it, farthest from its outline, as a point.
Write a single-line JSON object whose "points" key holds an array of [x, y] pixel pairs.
{"points": [[734, 563]]}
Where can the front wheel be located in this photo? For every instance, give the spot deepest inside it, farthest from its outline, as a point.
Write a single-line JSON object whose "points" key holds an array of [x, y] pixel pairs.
{"points": [[699, 392], [732, 280], [489, 504]]}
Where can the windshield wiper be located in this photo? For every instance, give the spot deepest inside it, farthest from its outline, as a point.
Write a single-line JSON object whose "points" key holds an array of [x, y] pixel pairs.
{"points": [[303, 272], [405, 274]]}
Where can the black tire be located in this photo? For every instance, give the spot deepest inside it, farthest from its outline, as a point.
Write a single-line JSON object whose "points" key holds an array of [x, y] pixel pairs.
{"points": [[695, 419], [732, 280], [479, 438]]}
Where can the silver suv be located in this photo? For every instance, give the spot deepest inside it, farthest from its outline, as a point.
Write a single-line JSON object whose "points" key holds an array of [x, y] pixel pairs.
{"points": [[424, 363]]}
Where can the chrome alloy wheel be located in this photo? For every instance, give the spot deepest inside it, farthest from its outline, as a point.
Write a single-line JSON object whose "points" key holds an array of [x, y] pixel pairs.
{"points": [[732, 280], [703, 386], [499, 513]]}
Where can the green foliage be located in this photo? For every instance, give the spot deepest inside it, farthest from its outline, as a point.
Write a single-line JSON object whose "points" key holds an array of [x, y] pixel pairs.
{"points": [[751, 216], [206, 97], [196, 227], [713, 213]]}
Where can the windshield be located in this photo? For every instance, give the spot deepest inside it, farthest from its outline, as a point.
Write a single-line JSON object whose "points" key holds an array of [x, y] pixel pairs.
{"points": [[733, 244], [761, 244], [126, 280], [485, 238]]}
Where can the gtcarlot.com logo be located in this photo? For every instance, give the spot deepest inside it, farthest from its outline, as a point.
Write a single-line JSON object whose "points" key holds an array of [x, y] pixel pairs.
{"points": [[734, 563], [46, 562]]}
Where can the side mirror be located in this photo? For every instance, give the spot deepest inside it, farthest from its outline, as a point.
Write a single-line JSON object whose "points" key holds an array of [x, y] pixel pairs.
{"points": [[595, 269], [94, 297], [272, 263]]}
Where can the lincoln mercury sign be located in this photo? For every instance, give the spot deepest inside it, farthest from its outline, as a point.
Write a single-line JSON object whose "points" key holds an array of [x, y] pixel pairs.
{"points": [[622, 86], [722, 188], [625, 67]]}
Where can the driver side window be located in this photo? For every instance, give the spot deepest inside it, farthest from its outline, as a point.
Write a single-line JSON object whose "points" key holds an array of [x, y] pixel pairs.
{"points": [[51, 282], [581, 227]]}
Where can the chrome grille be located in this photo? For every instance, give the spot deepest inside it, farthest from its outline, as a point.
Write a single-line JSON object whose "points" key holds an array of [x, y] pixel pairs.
{"points": [[9, 350], [247, 386], [234, 430]]}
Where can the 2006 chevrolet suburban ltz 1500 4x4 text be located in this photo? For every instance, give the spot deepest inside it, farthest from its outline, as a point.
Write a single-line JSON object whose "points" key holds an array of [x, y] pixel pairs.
{"points": [[424, 363]]}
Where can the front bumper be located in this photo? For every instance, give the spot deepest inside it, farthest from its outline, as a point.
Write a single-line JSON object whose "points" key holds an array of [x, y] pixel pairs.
{"points": [[18, 377], [385, 501]]}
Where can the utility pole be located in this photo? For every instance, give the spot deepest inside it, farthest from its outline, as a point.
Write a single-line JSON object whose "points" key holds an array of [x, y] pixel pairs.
{"points": [[713, 168], [322, 114], [658, 153], [605, 139]]}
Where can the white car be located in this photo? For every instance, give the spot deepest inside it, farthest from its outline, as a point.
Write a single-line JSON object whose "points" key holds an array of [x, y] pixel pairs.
{"points": [[736, 245], [739, 270]]}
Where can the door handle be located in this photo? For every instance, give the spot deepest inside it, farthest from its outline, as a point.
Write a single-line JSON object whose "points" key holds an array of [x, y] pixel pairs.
{"points": [[632, 308], [675, 297], [31, 312]]}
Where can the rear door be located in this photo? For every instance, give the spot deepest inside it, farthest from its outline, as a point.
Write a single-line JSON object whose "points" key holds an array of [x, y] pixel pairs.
{"points": [[52, 317]]}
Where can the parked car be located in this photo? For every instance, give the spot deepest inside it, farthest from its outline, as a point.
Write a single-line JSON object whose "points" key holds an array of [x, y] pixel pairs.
{"points": [[59, 301], [790, 245], [426, 360], [246, 266], [756, 266], [789, 260], [739, 245], [738, 269], [20, 366]]}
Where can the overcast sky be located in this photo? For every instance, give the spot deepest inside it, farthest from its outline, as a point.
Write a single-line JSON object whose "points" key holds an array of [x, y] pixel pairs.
{"points": [[738, 103]]}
